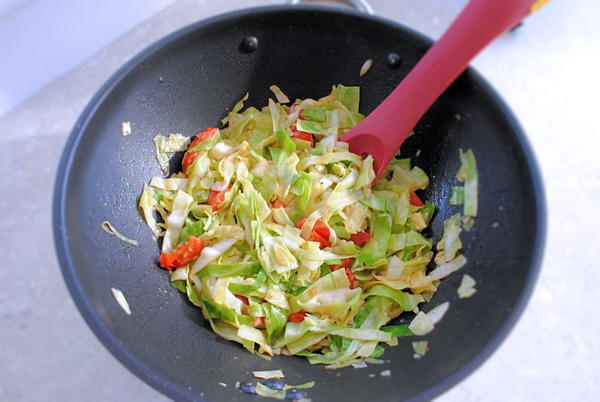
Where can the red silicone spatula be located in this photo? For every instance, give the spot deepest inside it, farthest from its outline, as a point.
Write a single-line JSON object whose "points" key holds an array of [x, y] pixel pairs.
{"points": [[384, 130]]}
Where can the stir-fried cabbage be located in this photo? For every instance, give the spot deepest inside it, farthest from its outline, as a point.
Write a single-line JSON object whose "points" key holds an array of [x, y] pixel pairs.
{"points": [[283, 239]]}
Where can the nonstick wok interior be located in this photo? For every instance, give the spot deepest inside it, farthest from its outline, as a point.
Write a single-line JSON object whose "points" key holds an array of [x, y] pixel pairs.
{"points": [[185, 83]]}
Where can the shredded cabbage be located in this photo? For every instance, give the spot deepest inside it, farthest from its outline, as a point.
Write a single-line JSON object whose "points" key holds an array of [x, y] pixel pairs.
{"points": [[176, 219], [166, 145], [280, 235], [266, 375], [110, 229], [468, 174]]}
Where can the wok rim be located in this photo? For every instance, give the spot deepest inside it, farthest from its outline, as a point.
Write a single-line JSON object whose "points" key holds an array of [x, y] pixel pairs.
{"points": [[143, 370]]}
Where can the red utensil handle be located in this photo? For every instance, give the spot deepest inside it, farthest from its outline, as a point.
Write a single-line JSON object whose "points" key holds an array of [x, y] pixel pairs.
{"points": [[478, 24]]}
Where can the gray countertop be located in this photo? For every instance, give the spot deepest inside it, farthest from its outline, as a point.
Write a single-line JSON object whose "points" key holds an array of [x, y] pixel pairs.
{"points": [[546, 71]]}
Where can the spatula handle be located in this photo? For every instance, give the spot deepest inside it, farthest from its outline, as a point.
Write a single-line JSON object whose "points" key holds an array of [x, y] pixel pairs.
{"points": [[478, 24]]}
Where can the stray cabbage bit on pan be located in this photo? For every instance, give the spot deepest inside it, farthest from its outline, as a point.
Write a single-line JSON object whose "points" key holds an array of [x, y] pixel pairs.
{"points": [[110, 229], [420, 348], [280, 235], [467, 287], [121, 300]]}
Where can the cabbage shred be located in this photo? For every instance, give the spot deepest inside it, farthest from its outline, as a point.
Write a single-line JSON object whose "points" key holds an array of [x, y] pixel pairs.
{"points": [[304, 254]]}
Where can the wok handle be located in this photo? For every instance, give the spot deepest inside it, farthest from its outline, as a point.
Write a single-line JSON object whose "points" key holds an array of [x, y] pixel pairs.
{"points": [[359, 5]]}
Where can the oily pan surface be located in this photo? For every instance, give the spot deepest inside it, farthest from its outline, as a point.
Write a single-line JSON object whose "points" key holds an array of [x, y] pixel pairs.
{"points": [[186, 85]]}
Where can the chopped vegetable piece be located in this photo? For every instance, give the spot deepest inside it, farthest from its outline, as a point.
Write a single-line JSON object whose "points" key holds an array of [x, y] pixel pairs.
{"points": [[398, 330], [110, 229], [420, 347], [216, 198], [297, 317], [183, 254], [467, 287], [266, 375], [421, 324], [415, 200], [243, 298], [366, 67], [207, 134], [320, 232], [344, 263], [468, 173], [126, 128], [438, 312], [303, 135], [360, 239], [188, 159], [457, 196], [281, 97], [267, 392], [168, 261], [278, 203], [351, 278], [121, 300], [306, 385]]}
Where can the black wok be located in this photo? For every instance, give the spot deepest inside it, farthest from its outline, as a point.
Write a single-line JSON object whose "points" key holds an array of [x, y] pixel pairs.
{"points": [[184, 83]]}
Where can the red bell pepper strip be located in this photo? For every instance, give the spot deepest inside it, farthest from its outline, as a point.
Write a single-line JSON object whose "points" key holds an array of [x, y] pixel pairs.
{"points": [[415, 200], [321, 229], [319, 233], [351, 278], [190, 157], [183, 254], [205, 135], [215, 198], [297, 317], [278, 203], [243, 298], [168, 261], [361, 238], [302, 135], [346, 263], [188, 160]]}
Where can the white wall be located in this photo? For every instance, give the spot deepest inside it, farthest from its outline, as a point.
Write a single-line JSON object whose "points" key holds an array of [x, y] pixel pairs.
{"points": [[42, 39]]}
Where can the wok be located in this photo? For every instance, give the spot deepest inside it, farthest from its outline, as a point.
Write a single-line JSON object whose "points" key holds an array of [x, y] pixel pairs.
{"points": [[184, 83]]}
